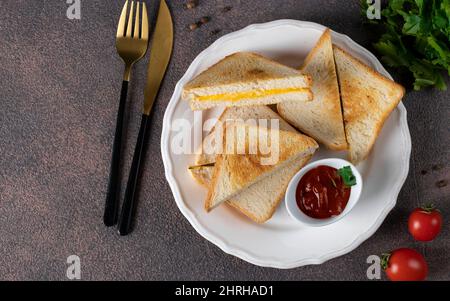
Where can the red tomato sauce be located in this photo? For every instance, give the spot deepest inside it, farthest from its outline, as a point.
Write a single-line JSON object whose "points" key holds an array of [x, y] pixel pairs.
{"points": [[321, 193]]}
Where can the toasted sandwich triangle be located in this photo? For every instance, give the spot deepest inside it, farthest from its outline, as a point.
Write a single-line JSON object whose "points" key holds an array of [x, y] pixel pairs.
{"points": [[368, 98], [234, 173], [322, 117], [260, 200], [246, 79]]}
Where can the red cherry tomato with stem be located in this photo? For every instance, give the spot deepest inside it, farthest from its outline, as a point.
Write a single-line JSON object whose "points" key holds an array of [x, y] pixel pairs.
{"points": [[404, 265], [425, 223]]}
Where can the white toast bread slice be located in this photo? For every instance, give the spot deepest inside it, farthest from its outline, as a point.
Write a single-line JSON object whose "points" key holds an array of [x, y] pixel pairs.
{"points": [[368, 98], [204, 163], [203, 169], [321, 118], [261, 112], [242, 79], [233, 173]]}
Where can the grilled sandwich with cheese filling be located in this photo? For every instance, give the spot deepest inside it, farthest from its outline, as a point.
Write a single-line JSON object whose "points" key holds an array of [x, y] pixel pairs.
{"points": [[246, 79]]}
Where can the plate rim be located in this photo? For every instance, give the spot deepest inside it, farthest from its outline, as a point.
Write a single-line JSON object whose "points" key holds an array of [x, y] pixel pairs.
{"points": [[219, 241]]}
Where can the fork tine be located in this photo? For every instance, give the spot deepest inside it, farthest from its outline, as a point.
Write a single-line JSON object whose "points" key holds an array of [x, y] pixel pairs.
{"points": [[130, 21], [136, 22], [145, 28], [122, 21]]}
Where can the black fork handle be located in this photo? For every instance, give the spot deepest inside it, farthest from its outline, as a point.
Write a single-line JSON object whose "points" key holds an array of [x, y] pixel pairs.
{"points": [[129, 203], [112, 196]]}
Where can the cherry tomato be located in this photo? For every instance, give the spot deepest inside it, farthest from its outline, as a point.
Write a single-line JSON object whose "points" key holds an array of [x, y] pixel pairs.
{"points": [[405, 265], [425, 223]]}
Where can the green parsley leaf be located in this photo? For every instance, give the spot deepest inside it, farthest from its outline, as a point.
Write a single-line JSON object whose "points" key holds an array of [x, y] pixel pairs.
{"points": [[347, 176], [412, 25]]}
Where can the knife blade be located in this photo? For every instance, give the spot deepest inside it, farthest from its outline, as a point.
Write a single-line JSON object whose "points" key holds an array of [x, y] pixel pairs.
{"points": [[160, 54]]}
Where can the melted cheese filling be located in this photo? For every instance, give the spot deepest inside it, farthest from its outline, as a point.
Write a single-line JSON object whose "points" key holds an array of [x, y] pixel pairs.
{"points": [[248, 94]]}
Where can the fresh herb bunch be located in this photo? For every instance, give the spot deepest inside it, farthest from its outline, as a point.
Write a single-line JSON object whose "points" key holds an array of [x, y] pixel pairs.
{"points": [[415, 37]]}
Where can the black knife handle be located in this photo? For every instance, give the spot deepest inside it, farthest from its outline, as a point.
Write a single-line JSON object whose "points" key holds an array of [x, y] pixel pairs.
{"points": [[129, 203], [112, 196]]}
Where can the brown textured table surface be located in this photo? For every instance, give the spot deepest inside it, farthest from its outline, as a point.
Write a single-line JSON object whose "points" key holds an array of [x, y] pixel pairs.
{"points": [[60, 82]]}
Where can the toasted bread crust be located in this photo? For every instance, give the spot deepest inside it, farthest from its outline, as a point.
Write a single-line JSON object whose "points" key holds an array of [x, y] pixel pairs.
{"points": [[250, 75], [242, 74], [201, 176], [205, 179], [241, 171], [358, 102], [323, 40], [321, 118], [211, 188], [279, 198]]}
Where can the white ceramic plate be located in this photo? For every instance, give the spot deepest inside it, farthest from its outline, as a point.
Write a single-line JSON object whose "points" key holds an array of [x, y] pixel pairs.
{"points": [[281, 242]]}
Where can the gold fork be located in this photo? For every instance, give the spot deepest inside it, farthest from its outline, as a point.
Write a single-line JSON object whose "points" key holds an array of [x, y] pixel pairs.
{"points": [[131, 44]]}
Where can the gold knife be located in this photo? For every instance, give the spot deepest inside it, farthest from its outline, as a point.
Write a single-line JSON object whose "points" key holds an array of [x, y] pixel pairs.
{"points": [[160, 54]]}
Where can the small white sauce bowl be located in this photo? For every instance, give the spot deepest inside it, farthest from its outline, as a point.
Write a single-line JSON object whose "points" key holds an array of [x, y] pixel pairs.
{"points": [[291, 201]]}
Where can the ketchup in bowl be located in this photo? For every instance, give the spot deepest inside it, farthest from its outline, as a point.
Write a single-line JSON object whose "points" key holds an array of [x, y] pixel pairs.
{"points": [[321, 193]]}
